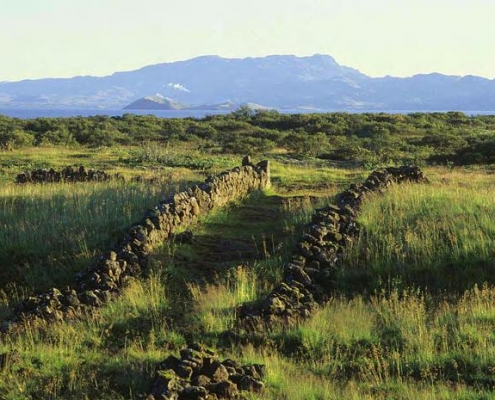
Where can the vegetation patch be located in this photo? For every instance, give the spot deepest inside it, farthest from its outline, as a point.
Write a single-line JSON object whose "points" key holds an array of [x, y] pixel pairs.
{"points": [[409, 313], [99, 283], [310, 275], [438, 236]]}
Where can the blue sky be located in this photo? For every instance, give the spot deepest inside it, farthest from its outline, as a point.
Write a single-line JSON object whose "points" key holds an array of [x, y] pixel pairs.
{"points": [[64, 38]]}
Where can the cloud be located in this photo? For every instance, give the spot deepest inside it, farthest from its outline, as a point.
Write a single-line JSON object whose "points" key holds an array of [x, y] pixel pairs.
{"points": [[178, 86]]}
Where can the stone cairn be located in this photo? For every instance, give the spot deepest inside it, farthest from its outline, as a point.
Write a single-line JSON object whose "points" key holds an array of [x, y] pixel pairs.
{"points": [[310, 275], [68, 174], [198, 374], [104, 280]]}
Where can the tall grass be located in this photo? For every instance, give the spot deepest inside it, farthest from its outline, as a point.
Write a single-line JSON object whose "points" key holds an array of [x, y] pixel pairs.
{"points": [[401, 341], [440, 236], [397, 344], [215, 305], [51, 231], [398, 340], [108, 356]]}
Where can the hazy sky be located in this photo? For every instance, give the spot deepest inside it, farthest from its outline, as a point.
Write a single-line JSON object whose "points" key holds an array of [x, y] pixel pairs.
{"points": [[64, 38]]}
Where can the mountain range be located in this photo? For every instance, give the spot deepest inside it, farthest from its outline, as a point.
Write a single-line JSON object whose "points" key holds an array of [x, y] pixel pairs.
{"points": [[280, 81]]}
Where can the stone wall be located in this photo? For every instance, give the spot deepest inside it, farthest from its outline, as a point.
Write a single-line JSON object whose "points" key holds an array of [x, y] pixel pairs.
{"points": [[104, 279], [68, 174], [310, 275]]}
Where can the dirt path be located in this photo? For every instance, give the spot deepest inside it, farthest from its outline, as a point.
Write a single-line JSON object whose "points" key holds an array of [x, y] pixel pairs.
{"points": [[256, 229]]}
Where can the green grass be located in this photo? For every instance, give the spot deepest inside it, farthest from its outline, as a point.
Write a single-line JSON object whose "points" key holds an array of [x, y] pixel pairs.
{"points": [[149, 159], [312, 178], [49, 232], [392, 345], [405, 339], [215, 305], [406, 324], [17, 161], [439, 236], [111, 355]]}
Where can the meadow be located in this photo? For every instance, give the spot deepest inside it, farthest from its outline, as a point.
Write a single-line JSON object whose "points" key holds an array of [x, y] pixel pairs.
{"points": [[411, 317]]}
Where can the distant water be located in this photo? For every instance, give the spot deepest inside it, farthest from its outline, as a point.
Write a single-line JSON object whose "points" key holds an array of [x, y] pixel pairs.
{"points": [[31, 113]]}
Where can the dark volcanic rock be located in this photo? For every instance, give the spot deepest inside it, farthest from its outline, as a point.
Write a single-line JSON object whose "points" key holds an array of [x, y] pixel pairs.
{"points": [[68, 174], [208, 378]]}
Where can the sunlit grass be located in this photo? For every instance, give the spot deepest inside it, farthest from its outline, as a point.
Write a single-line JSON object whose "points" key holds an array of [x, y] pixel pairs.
{"points": [[109, 355], [440, 235], [397, 340], [215, 306], [51, 231], [398, 344], [20, 160], [306, 179]]}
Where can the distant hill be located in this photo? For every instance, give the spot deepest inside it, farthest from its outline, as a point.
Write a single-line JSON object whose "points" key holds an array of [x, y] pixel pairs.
{"points": [[155, 103], [164, 103], [280, 81]]}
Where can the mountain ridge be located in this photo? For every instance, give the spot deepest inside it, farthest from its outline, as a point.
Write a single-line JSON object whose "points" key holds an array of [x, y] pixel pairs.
{"points": [[316, 82]]}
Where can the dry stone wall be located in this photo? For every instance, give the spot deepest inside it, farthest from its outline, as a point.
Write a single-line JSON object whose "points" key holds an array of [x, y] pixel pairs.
{"points": [[310, 275], [68, 174], [104, 279]]}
